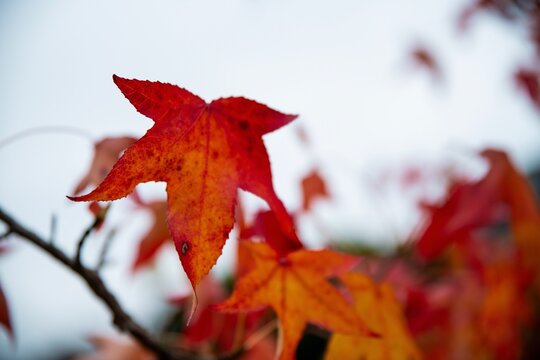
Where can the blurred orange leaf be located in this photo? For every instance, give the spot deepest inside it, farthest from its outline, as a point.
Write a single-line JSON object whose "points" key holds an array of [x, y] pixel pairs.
{"points": [[295, 286], [313, 187], [378, 307]]}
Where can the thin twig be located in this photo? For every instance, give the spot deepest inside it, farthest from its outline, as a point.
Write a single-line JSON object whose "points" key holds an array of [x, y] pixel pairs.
{"points": [[46, 129], [102, 260], [82, 240], [121, 319], [97, 221]]}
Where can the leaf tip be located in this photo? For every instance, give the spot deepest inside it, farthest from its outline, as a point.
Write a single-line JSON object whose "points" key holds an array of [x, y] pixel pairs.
{"points": [[119, 81], [78, 198], [73, 198], [116, 78]]}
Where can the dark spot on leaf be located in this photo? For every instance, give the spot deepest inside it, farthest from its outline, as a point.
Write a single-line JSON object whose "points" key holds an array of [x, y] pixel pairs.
{"points": [[215, 154], [185, 248], [244, 125], [283, 261]]}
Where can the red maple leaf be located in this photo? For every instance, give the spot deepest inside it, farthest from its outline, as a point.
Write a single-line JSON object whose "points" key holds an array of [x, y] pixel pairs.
{"points": [[204, 152]]}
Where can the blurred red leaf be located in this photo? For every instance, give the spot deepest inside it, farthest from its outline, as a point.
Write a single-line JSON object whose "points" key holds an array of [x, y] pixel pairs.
{"points": [[467, 206], [266, 226], [471, 205], [529, 81], [106, 153], [5, 319], [155, 238]]}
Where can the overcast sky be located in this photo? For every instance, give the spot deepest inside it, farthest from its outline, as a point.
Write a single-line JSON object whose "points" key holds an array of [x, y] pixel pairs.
{"points": [[343, 66]]}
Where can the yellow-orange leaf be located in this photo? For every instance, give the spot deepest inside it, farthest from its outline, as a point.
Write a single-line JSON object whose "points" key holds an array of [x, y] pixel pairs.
{"points": [[378, 307]]}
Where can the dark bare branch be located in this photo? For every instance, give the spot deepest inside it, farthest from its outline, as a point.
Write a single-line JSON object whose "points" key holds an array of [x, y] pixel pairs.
{"points": [[121, 319]]}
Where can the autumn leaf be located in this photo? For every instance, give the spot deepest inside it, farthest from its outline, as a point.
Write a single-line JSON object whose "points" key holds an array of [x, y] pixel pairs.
{"points": [[295, 286], [5, 319], [469, 205], [529, 81], [378, 307], [521, 199], [267, 227], [106, 153], [313, 187], [204, 152], [504, 309]]}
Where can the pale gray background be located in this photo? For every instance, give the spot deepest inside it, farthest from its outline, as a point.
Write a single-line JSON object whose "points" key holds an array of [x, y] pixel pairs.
{"points": [[342, 65]]}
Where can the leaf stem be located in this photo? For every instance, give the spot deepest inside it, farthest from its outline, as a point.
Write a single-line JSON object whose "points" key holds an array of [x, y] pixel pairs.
{"points": [[97, 221], [103, 254]]}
